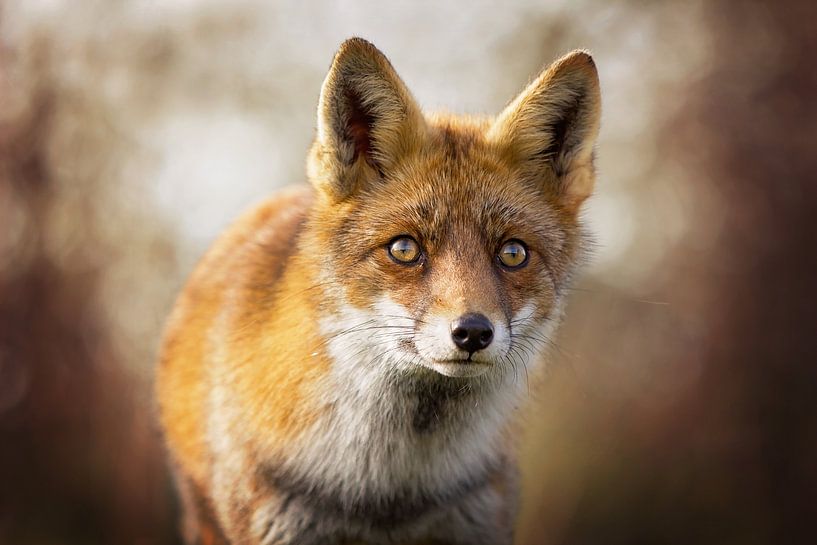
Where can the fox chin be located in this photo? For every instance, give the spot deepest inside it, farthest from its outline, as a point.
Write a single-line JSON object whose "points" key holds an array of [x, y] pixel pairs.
{"points": [[346, 362]]}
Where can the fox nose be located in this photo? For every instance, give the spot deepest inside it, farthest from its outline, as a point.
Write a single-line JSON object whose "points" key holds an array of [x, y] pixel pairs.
{"points": [[472, 332]]}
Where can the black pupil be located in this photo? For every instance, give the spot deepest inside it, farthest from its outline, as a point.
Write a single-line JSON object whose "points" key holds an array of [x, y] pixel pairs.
{"points": [[403, 248], [513, 254]]}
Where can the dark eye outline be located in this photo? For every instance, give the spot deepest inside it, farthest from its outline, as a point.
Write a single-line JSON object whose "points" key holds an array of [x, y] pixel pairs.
{"points": [[414, 261], [513, 267]]}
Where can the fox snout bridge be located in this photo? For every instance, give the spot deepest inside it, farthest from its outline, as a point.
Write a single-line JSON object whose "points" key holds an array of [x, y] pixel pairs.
{"points": [[472, 332]]}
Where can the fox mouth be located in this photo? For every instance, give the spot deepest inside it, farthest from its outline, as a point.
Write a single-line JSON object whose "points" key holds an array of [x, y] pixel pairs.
{"points": [[459, 367], [462, 361], [409, 345]]}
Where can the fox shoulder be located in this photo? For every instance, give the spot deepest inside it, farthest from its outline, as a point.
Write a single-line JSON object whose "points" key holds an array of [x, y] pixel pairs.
{"points": [[251, 253]]}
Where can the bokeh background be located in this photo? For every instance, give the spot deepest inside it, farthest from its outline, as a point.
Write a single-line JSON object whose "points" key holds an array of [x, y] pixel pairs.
{"points": [[681, 405]]}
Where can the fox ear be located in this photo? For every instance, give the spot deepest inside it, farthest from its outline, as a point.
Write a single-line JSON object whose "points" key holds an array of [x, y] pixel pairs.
{"points": [[550, 129], [367, 121]]}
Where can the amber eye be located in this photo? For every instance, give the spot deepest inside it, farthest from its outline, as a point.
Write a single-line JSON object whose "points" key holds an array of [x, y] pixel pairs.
{"points": [[404, 250], [513, 254]]}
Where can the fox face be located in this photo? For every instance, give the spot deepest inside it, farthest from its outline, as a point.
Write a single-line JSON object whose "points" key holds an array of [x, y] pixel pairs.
{"points": [[455, 258], [449, 240]]}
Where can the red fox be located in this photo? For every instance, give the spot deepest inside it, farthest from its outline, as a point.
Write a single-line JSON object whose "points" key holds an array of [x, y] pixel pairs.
{"points": [[344, 364]]}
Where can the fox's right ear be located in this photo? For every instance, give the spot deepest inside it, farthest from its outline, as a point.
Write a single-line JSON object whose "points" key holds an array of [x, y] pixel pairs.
{"points": [[367, 121]]}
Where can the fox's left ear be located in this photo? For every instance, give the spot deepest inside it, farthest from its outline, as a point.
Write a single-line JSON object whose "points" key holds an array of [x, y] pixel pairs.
{"points": [[367, 122], [550, 129]]}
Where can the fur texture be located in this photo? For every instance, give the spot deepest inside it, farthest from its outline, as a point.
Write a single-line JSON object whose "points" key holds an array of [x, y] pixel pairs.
{"points": [[309, 387]]}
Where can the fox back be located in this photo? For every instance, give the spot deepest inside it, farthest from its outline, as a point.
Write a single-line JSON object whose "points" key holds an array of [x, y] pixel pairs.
{"points": [[345, 363]]}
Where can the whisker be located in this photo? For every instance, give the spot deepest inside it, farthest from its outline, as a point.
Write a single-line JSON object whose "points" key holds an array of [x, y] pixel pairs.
{"points": [[416, 320], [631, 299], [345, 331]]}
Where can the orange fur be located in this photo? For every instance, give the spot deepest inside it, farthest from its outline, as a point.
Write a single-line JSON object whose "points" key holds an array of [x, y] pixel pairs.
{"points": [[235, 261]]}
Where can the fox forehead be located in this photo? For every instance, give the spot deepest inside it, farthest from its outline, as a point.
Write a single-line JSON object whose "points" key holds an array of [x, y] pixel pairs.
{"points": [[458, 186]]}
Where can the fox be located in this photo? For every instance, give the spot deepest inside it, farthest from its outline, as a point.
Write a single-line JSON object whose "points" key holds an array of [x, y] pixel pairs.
{"points": [[346, 364]]}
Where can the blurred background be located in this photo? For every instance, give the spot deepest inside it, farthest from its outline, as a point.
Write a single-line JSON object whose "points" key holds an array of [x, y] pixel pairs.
{"points": [[682, 403]]}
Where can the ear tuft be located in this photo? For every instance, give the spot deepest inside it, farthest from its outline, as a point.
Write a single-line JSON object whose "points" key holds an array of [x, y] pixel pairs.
{"points": [[551, 128]]}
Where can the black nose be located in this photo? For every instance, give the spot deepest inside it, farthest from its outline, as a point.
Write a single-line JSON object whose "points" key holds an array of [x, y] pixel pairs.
{"points": [[472, 332]]}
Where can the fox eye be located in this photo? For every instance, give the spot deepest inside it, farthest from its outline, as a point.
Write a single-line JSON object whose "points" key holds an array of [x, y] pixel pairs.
{"points": [[513, 254], [404, 250]]}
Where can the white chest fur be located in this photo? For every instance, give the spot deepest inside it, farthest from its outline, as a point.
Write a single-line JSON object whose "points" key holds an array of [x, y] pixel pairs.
{"points": [[393, 428]]}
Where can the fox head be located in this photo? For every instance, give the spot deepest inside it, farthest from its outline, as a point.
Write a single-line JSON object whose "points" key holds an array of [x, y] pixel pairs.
{"points": [[447, 241]]}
